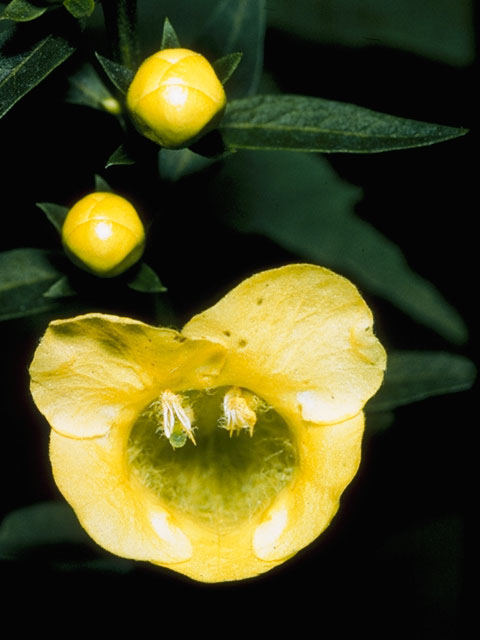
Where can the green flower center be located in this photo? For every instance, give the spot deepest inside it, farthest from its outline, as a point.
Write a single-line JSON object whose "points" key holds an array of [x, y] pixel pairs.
{"points": [[229, 475]]}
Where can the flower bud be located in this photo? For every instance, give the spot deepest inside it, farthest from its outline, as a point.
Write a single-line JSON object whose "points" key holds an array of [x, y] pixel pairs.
{"points": [[175, 97], [103, 234]]}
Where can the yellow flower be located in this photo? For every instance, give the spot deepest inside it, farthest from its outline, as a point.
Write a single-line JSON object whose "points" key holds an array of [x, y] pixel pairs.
{"points": [[220, 451], [103, 234], [175, 97]]}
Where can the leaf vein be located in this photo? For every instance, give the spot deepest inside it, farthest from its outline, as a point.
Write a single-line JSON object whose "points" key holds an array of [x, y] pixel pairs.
{"points": [[24, 61], [318, 130]]}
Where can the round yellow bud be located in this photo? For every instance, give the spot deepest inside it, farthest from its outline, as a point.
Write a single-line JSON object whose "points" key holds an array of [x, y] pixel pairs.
{"points": [[175, 97], [103, 234]]}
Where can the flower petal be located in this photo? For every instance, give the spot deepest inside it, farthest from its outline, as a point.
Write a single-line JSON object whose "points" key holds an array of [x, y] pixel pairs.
{"points": [[299, 336], [117, 512], [329, 459], [128, 520], [95, 371]]}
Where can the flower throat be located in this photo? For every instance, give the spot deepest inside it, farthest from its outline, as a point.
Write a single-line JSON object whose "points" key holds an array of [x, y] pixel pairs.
{"points": [[220, 455]]}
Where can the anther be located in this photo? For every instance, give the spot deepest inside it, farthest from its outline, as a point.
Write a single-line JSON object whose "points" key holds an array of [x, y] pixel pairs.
{"points": [[239, 411], [174, 417]]}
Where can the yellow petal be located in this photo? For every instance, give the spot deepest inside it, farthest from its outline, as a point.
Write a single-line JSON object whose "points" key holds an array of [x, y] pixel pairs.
{"points": [[96, 371], [174, 97], [120, 514], [295, 345], [328, 460], [128, 520], [299, 336], [103, 234]]}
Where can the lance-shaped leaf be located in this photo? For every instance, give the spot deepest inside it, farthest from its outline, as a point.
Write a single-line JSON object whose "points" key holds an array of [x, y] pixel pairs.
{"points": [[416, 375], [146, 281], [225, 67], [22, 11], [174, 164], [56, 213], [102, 185], [22, 70], [300, 123], [169, 37], [32, 526], [439, 29], [87, 88], [120, 76], [120, 19], [237, 25], [299, 202], [60, 289], [46, 527], [79, 8], [25, 275], [120, 156]]}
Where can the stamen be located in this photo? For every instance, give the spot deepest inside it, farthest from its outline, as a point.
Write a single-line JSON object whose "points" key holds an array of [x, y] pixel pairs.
{"points": [[175, 419], [239, 409]]}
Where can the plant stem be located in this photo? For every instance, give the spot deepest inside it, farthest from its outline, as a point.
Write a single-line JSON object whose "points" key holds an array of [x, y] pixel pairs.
{"points": [[121, 25]]}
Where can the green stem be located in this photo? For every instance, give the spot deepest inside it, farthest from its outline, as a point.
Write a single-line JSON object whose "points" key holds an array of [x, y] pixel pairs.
{"points": [[121, 25]]}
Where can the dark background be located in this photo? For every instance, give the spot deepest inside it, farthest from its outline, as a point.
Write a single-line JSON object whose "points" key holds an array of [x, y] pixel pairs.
{"points": [[393, 559]]}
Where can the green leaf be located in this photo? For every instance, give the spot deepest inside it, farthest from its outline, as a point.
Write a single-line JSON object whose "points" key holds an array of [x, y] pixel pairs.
{"points": [[300, 123], [21, 71], [79, 8], [102, 185], [299, 202], [415, 375], [25, 275], [120, 76], [38, 525], [175, 164], [120, 19], [211, 146], [60, 289], [56, 213], [120, 156], [146, 281], [22, 11], [438, 29], [169, 37], [225, 67], [86, 88], [237, 25], [41, 529], [378, 422]]}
